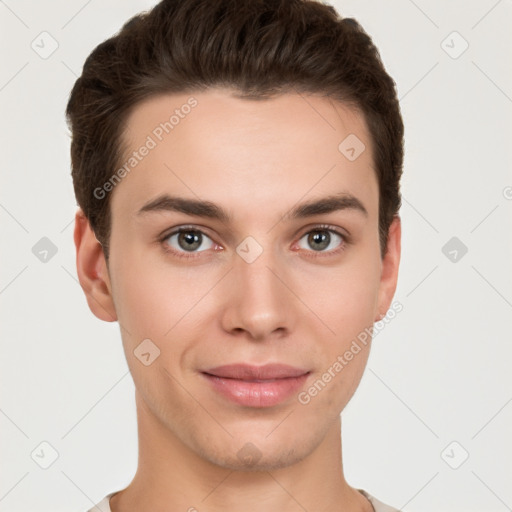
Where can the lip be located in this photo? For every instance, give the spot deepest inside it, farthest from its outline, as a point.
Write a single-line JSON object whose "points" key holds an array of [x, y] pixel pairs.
{"points": [[256, 386]]}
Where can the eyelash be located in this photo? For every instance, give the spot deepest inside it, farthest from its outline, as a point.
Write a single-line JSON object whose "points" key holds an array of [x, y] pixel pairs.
{"points": [[318, 254]]}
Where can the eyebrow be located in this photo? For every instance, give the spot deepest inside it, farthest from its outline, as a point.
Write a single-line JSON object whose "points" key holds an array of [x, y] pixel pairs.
{"points": [[207, 209]]}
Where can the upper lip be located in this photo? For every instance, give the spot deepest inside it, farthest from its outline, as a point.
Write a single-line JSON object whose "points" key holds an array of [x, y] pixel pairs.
{"points": [[249, 372]]}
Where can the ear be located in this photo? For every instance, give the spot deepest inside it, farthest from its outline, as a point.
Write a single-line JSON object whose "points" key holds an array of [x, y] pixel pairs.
{"points": [[92, 270], [390, 264]]}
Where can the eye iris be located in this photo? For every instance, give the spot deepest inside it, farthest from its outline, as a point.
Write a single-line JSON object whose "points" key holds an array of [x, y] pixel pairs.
{"points": [[191, 240], [322, 238]]}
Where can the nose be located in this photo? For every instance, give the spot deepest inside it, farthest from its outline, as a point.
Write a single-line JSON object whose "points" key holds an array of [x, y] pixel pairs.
{"points": [[259, 304]]}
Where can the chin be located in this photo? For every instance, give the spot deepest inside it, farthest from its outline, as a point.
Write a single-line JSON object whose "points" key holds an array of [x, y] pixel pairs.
{"points": [[259, 453], [267, 462]]}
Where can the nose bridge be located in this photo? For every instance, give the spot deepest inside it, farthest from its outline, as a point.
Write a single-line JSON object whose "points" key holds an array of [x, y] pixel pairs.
{"points": [[259, 302]]}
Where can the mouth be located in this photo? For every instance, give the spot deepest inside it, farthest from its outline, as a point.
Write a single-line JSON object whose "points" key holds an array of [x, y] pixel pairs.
{"points": [[256, 386]]}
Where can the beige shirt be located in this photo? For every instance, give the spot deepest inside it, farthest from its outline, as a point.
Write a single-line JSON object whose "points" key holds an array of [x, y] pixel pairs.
{"points": [[378, 506]]}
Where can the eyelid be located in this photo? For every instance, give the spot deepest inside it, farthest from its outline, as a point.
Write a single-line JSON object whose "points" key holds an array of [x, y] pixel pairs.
{"points": [[178, 227], [327, 227]]}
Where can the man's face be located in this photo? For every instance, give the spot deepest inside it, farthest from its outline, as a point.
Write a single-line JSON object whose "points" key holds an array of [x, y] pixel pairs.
{"points": [[261, 286]]}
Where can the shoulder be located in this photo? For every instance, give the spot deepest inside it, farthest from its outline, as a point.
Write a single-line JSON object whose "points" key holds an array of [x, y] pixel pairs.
{"points": [[377, 505]]}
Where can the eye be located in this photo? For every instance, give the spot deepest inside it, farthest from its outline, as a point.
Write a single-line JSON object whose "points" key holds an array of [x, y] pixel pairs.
{"points": [[323, 239], [187, 240]]}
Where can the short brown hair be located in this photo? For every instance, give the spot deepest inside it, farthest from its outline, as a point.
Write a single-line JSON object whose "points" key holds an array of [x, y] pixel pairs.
{"points": [[258, 48]]}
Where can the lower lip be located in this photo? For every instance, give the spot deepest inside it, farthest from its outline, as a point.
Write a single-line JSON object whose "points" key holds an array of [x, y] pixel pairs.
{"points": [[257, 394]]}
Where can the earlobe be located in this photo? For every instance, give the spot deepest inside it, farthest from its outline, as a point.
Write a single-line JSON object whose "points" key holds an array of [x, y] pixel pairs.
{"points": [[92, 270], [390, 264]]}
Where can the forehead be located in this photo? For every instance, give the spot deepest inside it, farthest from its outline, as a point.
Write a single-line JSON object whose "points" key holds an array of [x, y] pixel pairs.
{"points": [[213, 145]]}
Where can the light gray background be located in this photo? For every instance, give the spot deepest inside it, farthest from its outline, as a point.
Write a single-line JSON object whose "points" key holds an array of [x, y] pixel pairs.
{"points": [[438, 373]]}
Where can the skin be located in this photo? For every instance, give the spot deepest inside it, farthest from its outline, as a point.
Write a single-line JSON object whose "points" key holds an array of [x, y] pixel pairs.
{"points": [[295, 304]]}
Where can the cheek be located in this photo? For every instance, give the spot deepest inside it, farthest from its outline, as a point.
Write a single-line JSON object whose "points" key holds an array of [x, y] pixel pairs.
{"points": [[344, 297], [140, 303], [149, 299], [337, 379], [151, 309], [163, 304]]}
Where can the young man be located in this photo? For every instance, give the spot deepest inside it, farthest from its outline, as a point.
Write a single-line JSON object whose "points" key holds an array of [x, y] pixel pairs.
{"points": [[237, 168]]}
